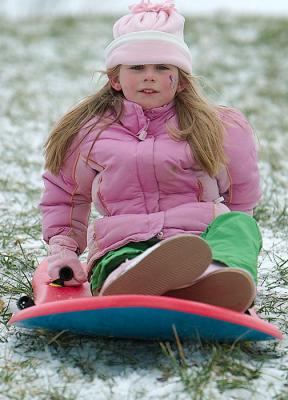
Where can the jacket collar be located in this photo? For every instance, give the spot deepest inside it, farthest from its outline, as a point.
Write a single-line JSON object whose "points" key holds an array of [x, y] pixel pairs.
{"points": [[135, 119]]}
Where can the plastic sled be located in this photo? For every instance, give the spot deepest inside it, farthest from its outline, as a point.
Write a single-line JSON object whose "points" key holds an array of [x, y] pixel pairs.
{"points": [[74, 310]]}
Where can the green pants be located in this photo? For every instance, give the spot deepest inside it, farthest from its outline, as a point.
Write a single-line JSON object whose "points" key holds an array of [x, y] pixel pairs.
{"points": [[234, 239]]}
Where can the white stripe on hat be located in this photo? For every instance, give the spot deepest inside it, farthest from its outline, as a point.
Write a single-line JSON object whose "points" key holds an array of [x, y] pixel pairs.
{"points": [[147, 35]]}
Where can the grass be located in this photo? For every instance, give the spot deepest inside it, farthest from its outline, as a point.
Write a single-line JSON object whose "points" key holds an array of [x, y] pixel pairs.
{"points": [[49, 64]]}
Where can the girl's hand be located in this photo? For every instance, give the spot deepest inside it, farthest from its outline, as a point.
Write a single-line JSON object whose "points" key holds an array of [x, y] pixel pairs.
{"points": [[210, 190], [221, 209], [62, 253], [66, 258], [212, 187]]}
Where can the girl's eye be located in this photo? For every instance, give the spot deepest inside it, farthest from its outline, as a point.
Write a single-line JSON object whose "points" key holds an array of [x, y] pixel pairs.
{"points": [[162, 67], [137, 67]]}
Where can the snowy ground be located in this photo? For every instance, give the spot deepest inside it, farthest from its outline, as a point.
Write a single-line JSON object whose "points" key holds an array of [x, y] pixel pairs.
{"points": [[22, 8], [46, 66]]}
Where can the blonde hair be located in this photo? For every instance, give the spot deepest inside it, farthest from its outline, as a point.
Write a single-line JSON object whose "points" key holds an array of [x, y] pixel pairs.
{"points": [[199, 124], [106, 100]]}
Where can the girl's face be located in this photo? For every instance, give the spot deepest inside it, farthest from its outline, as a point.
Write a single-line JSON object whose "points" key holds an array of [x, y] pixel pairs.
{"points": [[149, 85]]}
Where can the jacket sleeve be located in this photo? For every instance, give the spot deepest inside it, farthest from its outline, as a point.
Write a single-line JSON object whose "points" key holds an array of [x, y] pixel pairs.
{"points": [[244, 191], [66, 201]]}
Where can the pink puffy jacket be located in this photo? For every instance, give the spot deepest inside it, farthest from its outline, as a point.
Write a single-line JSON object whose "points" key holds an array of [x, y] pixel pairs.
{"points": [[143, 183]]}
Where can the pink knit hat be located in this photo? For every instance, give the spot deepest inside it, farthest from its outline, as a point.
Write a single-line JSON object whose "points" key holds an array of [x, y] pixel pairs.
{"points": [[149, 34]]}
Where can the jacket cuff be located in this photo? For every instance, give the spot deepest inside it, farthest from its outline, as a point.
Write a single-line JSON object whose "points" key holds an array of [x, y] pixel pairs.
{"points": [[59, 242]]}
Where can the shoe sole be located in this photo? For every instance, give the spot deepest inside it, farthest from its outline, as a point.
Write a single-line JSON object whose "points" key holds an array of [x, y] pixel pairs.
{"points": [[229, 288], [178, 261]]}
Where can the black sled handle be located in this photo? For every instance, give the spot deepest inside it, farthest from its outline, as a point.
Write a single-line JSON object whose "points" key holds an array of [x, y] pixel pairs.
{"points": [[25, 302], [65, 274]]}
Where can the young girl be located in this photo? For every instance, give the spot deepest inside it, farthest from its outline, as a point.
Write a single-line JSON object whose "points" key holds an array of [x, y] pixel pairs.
{"points": [[174, 177]]}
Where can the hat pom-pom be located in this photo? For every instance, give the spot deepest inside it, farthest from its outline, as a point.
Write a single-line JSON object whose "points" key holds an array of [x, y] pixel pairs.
{"points": [[168, 6]]}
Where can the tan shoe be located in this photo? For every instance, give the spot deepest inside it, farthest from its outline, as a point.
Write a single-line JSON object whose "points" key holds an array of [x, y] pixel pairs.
{"points": [[231, 288], [174, 262]]}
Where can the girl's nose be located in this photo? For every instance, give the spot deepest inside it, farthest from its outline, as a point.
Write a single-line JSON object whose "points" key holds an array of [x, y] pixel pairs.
{"points": [[149, 74], [149, 78]]}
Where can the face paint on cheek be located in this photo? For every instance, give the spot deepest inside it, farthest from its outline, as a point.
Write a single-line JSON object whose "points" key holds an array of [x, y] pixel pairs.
{"points": [[173, 82]]}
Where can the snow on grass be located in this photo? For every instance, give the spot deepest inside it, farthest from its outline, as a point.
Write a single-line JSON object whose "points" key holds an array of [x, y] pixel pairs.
{"points": [[47, 65]]}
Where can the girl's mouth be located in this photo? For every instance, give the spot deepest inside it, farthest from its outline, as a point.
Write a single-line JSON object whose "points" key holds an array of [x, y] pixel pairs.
{"points": [[148, 91]]}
